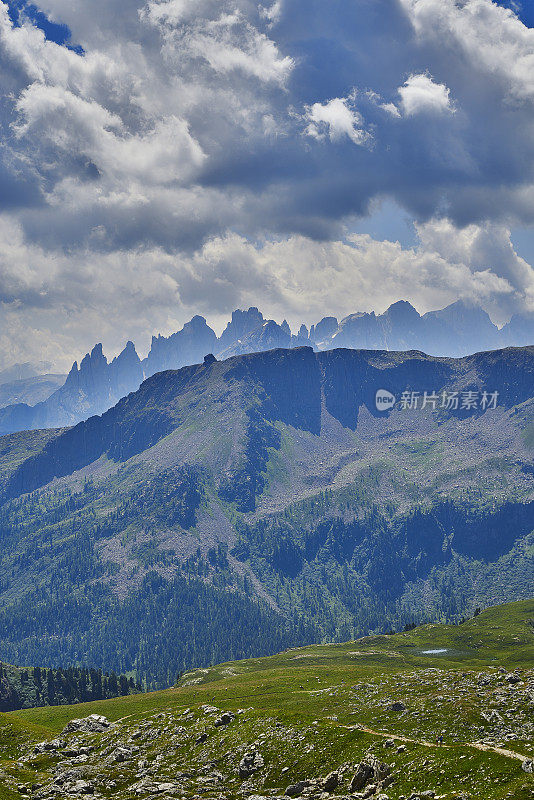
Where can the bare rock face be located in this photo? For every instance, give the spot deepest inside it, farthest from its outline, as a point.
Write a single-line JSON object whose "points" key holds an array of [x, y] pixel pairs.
{"points": [[95, 723]]}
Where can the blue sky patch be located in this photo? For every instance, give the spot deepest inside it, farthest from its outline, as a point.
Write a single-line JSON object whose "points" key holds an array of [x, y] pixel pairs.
{"points": [[54, 32], [523, 8]]}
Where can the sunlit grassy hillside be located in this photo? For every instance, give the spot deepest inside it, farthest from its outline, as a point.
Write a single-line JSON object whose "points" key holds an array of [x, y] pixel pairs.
{"points": [[308, 712]]}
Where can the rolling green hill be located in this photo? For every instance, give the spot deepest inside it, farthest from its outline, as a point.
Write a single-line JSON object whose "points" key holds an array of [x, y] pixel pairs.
{"points": [[255, 728], [236, 508]]}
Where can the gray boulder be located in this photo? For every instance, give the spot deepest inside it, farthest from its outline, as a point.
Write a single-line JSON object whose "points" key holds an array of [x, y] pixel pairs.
{"points": [[297, 788], [331, 782], [95, 723], [371, 770], [225, 719], [250, 763]]}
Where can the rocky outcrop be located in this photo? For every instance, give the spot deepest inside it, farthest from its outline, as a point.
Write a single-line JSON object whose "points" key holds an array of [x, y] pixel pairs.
{"points": [[94, 723], [251, 762], [370, 771]]}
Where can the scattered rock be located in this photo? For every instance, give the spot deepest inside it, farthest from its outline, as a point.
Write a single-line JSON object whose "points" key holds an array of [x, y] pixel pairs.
{"points": [[397, 707]]}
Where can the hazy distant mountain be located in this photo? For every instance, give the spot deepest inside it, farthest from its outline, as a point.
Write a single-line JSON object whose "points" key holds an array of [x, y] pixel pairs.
{"points": [[241, 505], [19, 372], [96, 385], [30, 390], [519, 331], [188, 346]]}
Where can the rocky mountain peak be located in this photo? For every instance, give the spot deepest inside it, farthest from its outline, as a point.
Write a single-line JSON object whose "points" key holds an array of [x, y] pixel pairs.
{"points": [[402, 311], [325, 329], [242, 324], [128, 355]]}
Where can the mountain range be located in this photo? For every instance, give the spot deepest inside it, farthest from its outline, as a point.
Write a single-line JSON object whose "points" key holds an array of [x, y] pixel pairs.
{"points": [[243, 506], [96, 384]]}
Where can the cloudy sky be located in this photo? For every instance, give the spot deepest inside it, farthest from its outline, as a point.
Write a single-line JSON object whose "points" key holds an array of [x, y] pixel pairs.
{"points": [[160, 158]]}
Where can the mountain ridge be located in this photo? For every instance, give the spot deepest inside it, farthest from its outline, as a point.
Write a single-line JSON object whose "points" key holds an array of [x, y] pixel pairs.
{"points": [[96, 384], [293, 398]]}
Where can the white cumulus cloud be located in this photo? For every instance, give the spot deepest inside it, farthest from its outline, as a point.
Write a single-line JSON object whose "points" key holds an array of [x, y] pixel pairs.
{"points": [[420, 94], [336, 119]]}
